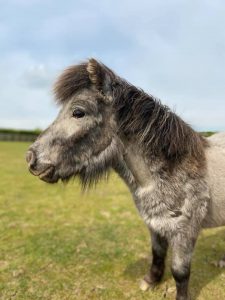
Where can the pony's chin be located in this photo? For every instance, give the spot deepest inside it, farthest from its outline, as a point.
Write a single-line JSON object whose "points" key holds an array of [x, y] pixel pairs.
{"points": [[49, 179]]}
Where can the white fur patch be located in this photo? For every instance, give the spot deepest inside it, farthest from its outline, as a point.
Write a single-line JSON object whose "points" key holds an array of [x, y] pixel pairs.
{"points": [[146, 190]]}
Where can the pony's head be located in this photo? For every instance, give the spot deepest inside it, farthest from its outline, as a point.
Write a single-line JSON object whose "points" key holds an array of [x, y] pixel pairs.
{"points": [[82, 139]]}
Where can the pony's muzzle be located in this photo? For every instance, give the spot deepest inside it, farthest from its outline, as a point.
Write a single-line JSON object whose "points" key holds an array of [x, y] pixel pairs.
{"points": [[35, 167], [45, 171]]}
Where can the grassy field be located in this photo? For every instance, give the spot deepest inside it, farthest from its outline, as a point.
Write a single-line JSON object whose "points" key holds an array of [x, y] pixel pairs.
{"points": [[57, 243]]}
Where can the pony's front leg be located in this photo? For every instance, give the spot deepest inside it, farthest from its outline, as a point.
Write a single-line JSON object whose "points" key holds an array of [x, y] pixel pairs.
{"points": [[159, 251], [182, 249]]}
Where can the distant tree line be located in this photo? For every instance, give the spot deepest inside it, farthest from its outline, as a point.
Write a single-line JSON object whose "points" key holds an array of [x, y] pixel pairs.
{"points": [[31, 135], [207, 133], [7, 134], [22, 131]]}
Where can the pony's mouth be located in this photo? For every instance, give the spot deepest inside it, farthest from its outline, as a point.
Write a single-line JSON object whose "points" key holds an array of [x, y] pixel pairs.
{"points": [[47, 174]]}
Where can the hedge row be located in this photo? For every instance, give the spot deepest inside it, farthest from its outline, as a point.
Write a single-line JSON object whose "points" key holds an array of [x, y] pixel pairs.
{"points": [[31, 135], [207, 133], [20, 131]]}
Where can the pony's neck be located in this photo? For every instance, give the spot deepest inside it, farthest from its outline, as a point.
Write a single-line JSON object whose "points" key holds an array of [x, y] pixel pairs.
{"points": [[133, 167]]}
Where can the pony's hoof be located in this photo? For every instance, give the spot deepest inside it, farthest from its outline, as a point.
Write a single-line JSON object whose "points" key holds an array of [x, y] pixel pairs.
{"points": [[147, 283], [221, 263], [144, 285]]}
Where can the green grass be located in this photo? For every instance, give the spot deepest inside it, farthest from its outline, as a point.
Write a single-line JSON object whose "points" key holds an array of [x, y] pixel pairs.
{"points": [[57, 243]]}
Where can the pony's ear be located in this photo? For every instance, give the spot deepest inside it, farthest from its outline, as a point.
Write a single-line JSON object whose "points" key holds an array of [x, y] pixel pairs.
{"points": [[101, 76]]}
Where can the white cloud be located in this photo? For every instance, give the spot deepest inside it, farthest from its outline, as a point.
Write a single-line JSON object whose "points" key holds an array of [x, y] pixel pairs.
{"points": [[38, 76], [25, 93]]}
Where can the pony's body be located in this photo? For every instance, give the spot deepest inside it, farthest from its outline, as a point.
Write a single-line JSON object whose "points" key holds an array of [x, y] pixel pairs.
{"points": [[215, 157], [163, 203], [176, 177]]}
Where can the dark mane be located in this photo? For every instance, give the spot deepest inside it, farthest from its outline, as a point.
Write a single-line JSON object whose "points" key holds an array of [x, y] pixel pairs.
{"points": [[155, 126], [72, 80]]}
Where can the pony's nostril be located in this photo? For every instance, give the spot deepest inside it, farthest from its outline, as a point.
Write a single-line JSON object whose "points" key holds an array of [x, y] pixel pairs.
{"points": [[30, 157]]}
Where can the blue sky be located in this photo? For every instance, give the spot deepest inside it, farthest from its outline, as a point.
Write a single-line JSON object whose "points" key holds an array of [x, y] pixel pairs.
{"points": [[173, 49]]}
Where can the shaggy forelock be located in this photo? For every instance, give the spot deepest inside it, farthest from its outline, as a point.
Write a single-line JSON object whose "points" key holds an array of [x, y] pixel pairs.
{"points": [[72, 80]]}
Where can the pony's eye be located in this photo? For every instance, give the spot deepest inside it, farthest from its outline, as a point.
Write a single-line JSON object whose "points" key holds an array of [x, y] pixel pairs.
{"points": [[78, 113]]}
